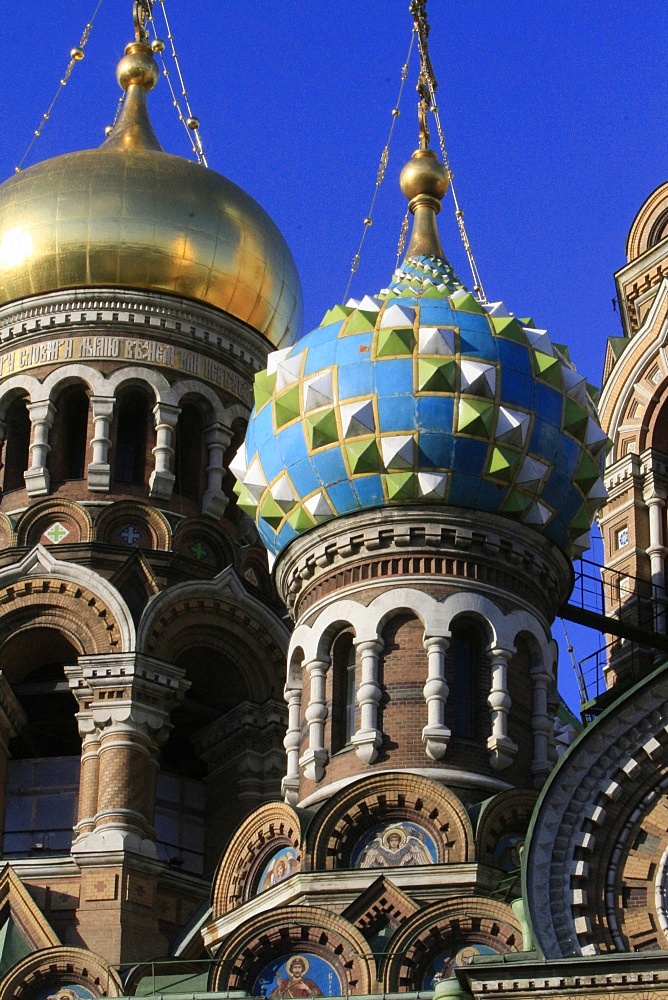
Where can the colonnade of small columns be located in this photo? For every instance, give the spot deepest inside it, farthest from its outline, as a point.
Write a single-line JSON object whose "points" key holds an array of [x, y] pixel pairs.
{"points": [[312, 761], [217, 437]]}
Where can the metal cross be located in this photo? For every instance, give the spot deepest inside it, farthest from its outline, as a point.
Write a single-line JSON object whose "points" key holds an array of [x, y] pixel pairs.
{"points": [[130, 534], [142, 13], [198, 551]]}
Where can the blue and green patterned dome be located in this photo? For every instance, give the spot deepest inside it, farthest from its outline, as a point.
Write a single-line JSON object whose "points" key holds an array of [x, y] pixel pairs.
{"points": [[422, 395]]}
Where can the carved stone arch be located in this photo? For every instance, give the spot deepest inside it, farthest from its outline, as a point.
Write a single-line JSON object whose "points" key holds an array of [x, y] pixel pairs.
{"points": [[91, 600], [205, 542], [128, 522], [629, 373], [8, 534], [316, 636], [522, 623], [296, 660], [389, 797], [507, 815], [441, 929], [477, 608], [598, 836], [227, 616], [286, 931], [59, 967], [139, 375], [273, 825], [66, 375], [650, 224], [235, 411], [19, 385], [75, 523], [192, 387], [405, 600]]}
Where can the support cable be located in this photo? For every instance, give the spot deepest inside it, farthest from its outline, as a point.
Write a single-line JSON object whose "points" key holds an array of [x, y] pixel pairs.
{"points": [[428, 79], [188, 120], [76, 55], [380, 176]]}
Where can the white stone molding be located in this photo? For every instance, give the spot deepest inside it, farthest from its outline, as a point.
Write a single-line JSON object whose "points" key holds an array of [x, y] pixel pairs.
{"points": [[68, 374], [655, 500], [292, 741], [138, 375], [542, 720], [216, 438], [161, 481], [99, 470], [501, 748], [194, 388], [436, 734], [40, 562], [369, 738], [314, 760], [37, 476], [19, 385]]}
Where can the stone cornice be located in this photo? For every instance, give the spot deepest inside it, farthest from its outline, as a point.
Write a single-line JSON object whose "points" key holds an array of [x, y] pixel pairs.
{"points": [[469, 549], [134, 314]]}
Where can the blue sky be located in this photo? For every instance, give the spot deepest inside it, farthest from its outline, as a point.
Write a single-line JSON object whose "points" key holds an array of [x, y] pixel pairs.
{"points": [[556, 120]]}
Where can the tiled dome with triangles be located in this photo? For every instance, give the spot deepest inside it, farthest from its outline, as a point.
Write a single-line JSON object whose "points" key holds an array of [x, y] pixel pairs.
{"points": [[422, 395]]}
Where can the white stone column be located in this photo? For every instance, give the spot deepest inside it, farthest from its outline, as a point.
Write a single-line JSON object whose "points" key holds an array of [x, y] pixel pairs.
{"points": [[37, 477], [99, 470], [290, 783], [657, 553], [162, 478], [368, 739], [542, 722], [501, 748], [436, 734], [314, 761], [217, 439]]}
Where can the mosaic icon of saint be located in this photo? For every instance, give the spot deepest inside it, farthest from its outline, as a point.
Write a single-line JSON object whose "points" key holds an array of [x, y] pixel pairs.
{"points": [[395, 848], [296, 984]]}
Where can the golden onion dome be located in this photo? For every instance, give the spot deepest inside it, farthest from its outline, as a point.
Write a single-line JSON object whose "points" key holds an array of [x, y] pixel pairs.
{"points": [[129, 215]]}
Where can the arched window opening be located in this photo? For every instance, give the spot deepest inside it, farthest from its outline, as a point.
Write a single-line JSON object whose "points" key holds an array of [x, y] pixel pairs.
{"points": [[17, 445], [200, 762], [43, 769], [132, 437], [189, 453], [462, 665], [344, 691], [69, 438]]}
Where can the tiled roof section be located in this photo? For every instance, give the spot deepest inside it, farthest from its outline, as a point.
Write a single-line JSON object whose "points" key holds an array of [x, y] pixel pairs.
{"points": [[429, 398]]}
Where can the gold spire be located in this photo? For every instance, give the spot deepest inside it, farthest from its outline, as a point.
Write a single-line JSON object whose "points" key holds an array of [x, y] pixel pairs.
{"points": [[424, 180], [137, 73]]}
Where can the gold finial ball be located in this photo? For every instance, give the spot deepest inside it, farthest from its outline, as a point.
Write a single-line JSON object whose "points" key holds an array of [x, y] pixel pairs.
{"points": [[137, 67], [158, 45], [77, 54], [192, 123], [424, 174], [108, 129]]}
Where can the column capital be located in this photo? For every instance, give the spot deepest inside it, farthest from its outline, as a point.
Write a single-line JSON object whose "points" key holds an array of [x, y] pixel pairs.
{"points": [[126, 691]]}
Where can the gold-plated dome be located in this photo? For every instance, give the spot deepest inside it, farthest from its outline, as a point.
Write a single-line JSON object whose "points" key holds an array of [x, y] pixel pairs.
{"points": [[129, 215]]}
